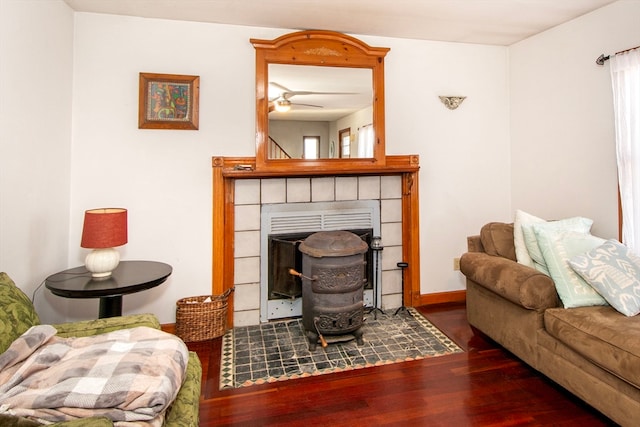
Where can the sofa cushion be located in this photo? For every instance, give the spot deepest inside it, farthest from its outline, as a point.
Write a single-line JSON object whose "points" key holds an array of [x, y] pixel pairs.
{"points": [[497, 240], [518, 283], [614, 271], [17, 313], [602, 335], [557, 248]]}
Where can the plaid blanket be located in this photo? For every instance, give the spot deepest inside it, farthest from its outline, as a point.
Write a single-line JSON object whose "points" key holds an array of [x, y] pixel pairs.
{"points": [[130, 376]]}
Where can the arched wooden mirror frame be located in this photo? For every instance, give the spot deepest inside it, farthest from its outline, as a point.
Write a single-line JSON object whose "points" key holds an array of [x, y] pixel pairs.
{"points": [[319, 48]]}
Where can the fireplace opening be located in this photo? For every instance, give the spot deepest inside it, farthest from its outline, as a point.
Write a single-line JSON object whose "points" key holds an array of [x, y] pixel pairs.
{"points": [[284, 254], [284, 225]]}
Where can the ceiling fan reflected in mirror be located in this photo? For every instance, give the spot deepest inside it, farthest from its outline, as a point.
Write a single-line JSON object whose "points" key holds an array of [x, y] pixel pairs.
{"points": [[282, 105], [279, 97]]}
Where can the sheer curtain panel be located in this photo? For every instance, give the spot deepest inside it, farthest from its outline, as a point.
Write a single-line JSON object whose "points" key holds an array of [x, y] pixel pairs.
{"points": [[625, 78], [365, 141]]}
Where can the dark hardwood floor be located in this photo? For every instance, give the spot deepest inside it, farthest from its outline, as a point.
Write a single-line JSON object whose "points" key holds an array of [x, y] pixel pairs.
{"points": [[484, 386]]}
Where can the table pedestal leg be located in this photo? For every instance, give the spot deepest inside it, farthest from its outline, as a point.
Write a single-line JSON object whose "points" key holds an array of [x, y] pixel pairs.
{"points": [[110, 306]]}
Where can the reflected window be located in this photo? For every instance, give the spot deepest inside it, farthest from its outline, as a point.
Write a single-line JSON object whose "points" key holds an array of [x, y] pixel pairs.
{"points": [[310, 147], [345, 143], [365, 141]]}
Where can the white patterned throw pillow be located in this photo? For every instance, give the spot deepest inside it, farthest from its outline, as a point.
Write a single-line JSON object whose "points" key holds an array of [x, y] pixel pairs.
{"points": [[614, 271], [521, 219]]}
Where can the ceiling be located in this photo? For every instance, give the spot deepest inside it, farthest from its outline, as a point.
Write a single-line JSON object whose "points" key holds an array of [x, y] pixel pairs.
{"points": [[494, 22]]}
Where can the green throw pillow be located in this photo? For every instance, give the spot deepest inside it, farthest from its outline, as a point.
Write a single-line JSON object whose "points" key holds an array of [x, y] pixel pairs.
{"points": [[558, 247], [578, 224], [17, 313]]}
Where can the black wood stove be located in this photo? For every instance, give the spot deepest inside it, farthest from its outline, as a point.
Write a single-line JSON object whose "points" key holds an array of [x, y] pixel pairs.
{"points": [[333, 276]]}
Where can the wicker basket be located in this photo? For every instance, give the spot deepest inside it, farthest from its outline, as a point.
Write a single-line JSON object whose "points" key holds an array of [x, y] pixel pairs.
{"points": [[202, 318]]}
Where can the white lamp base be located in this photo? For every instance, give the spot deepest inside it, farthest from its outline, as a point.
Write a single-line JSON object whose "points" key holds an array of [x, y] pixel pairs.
{"points": [[101, 262]]}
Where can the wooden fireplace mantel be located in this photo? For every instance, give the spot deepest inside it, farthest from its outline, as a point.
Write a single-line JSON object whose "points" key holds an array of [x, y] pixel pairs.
{"points": [[228, 169]]}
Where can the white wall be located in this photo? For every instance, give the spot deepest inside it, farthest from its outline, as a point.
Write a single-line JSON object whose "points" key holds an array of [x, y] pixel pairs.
{"points": [[36, 57], [464, 153], [469, 169], [163, 177], [562, 135]]}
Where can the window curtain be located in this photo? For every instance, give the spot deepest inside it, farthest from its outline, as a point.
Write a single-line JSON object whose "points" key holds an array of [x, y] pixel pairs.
{"points": [[365, 142], [625, 77]]}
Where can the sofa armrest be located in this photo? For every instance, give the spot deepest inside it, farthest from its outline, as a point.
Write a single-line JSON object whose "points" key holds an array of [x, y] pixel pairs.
{"points": [[87, 328], [185, 410], [86, 422], [474, 244], [518, 283], [13, 421]]}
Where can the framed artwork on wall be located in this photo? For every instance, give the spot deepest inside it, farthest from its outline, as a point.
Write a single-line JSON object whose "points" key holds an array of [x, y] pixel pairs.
{"points": [[168, 101]]}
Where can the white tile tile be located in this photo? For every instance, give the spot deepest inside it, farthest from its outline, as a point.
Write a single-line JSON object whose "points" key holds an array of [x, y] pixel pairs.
{"points": [[246, 318], [322, 189], [391, 256], [247, 192], [246, 297], [274, 190], [347, 188], [391, 210], [391, 234], [391, 302], [392, 282], [247, 217], [246, 270], [247, 243], [368, 187], [298, 190], [391, 187]]}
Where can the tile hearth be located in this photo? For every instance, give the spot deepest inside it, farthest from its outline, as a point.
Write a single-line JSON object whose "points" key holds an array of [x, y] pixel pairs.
{"points": [[279, 350]]}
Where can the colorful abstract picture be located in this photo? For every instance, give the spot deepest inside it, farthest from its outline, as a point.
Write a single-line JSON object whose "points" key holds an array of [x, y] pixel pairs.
{"points": [[168, 101]]}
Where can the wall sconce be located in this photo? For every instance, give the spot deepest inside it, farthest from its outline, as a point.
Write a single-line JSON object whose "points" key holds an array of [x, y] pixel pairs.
{"points": [[103, 230], [452, 102]]}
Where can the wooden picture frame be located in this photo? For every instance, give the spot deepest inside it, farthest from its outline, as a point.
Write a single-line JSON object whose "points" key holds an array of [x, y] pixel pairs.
{"points": [[168, 101]]}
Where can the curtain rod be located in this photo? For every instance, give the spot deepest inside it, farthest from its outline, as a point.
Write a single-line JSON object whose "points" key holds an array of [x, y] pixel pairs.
{"points": [[602, 58]]}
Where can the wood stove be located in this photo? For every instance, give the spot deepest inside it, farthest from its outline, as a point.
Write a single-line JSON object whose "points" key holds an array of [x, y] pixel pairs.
{"points": [[333, 276]]}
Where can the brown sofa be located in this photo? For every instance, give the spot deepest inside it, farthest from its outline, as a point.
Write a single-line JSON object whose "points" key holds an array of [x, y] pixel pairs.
{"points": [[594, 352]]}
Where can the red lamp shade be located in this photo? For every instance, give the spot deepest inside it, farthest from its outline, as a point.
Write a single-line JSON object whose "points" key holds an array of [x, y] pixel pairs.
{"points": [[104, 228]]}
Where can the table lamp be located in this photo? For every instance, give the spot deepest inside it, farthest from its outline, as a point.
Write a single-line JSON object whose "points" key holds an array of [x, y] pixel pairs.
{"points": [[103, 229]]}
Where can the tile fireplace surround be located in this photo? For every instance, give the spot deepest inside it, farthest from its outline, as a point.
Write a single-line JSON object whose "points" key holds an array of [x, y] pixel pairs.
{"points": [[239, 194]]}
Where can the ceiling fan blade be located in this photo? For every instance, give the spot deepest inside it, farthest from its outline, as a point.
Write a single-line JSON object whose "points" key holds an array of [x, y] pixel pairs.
{"points": [[287, 93], [279, 87], [306, 105], [278, 90], [308, 92]]}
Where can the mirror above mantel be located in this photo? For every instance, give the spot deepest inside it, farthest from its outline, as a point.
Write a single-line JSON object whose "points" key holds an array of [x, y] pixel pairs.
{"points": [[332, 88]]}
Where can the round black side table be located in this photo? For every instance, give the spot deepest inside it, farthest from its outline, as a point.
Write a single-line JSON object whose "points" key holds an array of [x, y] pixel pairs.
{"points": [[128, 278]]}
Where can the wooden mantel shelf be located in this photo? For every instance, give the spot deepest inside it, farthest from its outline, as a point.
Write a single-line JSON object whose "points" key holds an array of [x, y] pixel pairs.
{"points": [[245, 167], [226, 170]]}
